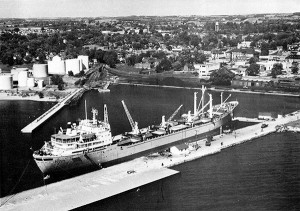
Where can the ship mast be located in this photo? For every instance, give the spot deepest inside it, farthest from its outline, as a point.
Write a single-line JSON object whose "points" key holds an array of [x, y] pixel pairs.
{"points": [[203, 99], [221, 98], [210, 106], [195, 103], [85, 110], [105, 114]]}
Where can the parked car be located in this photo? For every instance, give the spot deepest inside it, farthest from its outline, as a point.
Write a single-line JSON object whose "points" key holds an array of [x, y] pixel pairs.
{"points": [[264, 125]]}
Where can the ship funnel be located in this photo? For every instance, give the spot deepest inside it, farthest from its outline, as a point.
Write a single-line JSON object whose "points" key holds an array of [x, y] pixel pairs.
{"points": [[95, 113], [69, 130], [163, 121], [189, 117]]}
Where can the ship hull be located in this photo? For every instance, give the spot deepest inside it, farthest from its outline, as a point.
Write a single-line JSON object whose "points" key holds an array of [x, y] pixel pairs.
{"points": [[113, 154]]}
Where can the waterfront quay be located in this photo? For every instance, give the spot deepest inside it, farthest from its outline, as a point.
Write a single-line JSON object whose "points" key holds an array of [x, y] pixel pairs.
{"points": [[41, 119], [95, 186], [88, 188]]}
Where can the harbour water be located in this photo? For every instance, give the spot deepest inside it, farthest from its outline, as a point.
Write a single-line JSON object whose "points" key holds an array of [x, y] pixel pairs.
{"points": [[262, 174]]}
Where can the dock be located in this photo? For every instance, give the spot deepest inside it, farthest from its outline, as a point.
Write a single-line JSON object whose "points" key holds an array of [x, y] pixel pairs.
{"points": [[95, 186], [41, 119], [88, 188]]}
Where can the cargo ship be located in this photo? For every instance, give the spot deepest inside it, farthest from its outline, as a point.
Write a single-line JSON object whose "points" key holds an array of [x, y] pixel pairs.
{"points": [[90, 143]]}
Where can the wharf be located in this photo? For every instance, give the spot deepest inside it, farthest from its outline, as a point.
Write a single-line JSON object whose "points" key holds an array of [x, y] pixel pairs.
{"points": [[65, 101], [88, 188], [223, 141], [85, 189]]}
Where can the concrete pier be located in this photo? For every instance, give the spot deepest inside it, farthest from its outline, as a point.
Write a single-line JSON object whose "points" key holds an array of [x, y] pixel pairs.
{"points": [[87, 188], [91, 187], [29, 128], [224, 141]]}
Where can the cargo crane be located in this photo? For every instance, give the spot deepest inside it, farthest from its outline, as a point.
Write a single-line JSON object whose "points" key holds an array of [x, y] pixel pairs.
{"points": [[164, 123], [134, 125]]}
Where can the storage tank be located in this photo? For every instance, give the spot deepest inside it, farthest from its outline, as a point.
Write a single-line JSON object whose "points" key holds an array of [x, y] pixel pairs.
{"points": [[40, 84], [84, 62], [40, 70], [56, 66], [6, 81], [15, 72], [30, 82], [22, 78], [73, 65]]}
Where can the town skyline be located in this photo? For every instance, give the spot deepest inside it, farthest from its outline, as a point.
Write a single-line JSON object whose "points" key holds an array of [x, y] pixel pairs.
{"points": [[117, 8]]}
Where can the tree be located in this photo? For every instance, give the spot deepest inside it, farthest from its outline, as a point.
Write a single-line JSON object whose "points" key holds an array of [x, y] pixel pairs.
{"points": [[177, 66], [41, 95], [295, 67], [199, 57], [264, 49], [57, 80], [253, 69], [70, 73], [131, 60], [221, 77], [195, 40], [164, 65], [99, 54], [110, 58], [253, 60], [276, 70]]}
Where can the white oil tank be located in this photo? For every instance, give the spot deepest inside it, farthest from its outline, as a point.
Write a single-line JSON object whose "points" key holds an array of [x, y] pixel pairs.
{"points": [[56, 66], [40, 70], [30, 82], [73, 65], [15, 72], [84, 62], [22, 78], [40, 84], [6, 81]]}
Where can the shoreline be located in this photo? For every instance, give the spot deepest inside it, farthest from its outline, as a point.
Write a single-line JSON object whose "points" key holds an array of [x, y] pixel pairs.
{"points": [[28, 98], [5, 97], [216, 89]]}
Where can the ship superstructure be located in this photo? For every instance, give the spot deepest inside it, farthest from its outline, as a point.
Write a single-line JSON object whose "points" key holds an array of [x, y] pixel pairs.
{"points": [[91, 143]]}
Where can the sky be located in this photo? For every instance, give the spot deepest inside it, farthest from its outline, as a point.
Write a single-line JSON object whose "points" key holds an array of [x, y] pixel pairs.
{"points": [[114, 8]]}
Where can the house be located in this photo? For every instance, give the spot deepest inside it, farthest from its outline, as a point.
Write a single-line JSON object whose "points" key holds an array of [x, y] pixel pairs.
{"points": [[244, 44], [293, 58], [250, 81], [179, 149], [204, 70], [241, 54]]}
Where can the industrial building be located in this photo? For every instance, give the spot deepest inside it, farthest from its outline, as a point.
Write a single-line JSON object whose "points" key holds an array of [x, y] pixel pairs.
{"points": [[22, 78], [6, 81], [57, 66], [73, 65], [84, 62], [40, 70], [15, 72]]}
